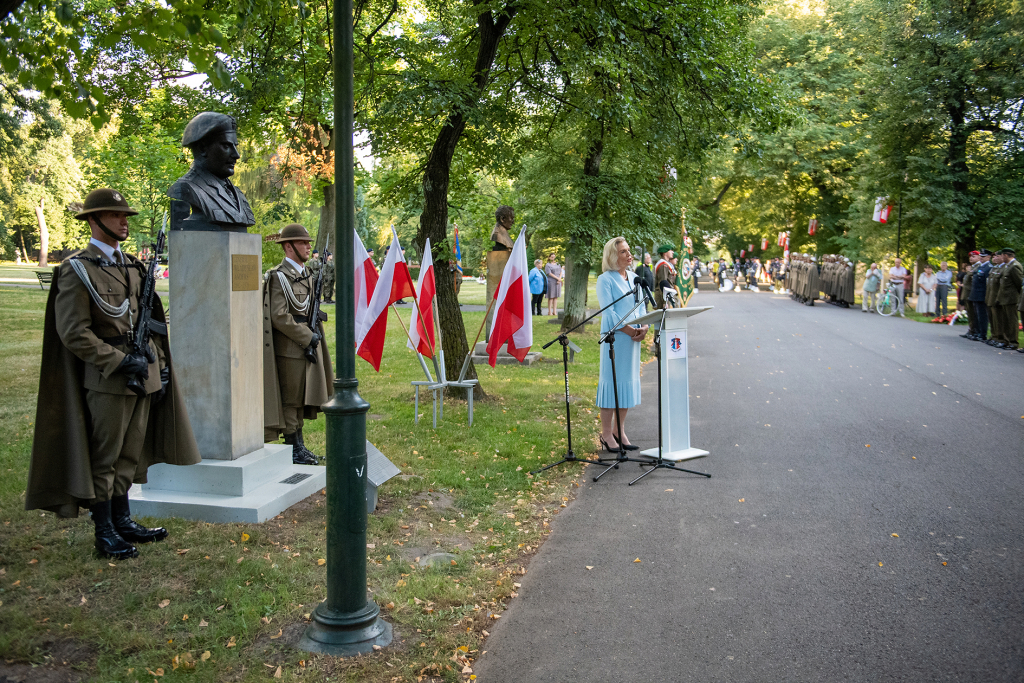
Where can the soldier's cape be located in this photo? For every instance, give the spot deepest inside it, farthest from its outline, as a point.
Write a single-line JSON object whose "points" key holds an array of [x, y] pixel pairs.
{"points": [[319, 375], [60, 474]]}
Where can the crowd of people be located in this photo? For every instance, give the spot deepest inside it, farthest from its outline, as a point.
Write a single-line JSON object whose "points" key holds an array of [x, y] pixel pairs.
{"points": [[990, 292]]}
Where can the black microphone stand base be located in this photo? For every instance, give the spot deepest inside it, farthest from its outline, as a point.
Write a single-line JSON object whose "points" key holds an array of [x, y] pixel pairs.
{"points": [[664, 465]]}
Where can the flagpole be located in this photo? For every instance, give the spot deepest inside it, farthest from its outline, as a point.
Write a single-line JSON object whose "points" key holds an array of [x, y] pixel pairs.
{"points": [[409, 337], [473, 345]]}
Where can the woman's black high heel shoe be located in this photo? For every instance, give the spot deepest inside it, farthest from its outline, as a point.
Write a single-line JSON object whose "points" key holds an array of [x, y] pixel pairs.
{"points": [[609, 448], [629, 447]]}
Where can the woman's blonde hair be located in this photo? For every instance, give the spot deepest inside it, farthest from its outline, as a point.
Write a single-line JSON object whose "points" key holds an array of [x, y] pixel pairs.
{"points": [[610, 259]]}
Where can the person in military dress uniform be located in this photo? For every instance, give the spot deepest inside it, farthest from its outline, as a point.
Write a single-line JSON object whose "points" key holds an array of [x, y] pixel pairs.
{"points": [[94, 436], [995, 276], [294, 387], [314, 264], [329, 279], [664, 274], [1007, 298]]}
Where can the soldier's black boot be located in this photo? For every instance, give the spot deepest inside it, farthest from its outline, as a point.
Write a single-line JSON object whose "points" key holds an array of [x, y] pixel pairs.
{"points": [[298, 457], [302, 445], [129, 529], [108, 542]]}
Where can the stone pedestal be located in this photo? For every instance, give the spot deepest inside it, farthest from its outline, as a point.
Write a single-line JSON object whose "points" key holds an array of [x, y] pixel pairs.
{"points": [[216, 330]]}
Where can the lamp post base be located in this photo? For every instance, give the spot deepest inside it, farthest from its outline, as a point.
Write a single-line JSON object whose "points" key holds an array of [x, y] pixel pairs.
{"points": [[346, 634]]}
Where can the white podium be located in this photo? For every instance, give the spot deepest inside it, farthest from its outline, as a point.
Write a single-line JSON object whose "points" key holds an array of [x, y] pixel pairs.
{"points": [[674, 383]]}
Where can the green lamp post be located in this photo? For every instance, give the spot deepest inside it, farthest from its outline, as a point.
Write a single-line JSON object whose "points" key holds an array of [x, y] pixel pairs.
{"points": [[346, 623]]}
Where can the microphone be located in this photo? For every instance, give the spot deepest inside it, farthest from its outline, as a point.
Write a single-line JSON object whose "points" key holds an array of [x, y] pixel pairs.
{"points": [[647, 292]]}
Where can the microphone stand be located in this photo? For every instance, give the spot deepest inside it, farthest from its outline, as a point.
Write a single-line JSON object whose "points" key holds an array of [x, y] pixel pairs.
{"points": [[563, 339], [609, 338]]}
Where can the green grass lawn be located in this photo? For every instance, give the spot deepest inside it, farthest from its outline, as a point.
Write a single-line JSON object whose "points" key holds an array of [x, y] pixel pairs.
{"points": [[225, 602]]}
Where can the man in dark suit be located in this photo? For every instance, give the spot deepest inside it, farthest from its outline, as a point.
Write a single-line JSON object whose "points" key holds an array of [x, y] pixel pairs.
{"points": [[207, 187], [977, 295]]}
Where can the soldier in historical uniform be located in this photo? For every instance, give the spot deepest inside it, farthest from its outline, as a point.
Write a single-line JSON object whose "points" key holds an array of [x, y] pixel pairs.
{"points": [[977, 295], [329, 279], [1007, 298], [94, 436], [965, 293], [294, 387]]}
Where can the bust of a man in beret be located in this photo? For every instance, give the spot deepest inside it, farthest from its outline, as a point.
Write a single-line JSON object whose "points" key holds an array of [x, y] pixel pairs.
{"points": [[207, 188]]}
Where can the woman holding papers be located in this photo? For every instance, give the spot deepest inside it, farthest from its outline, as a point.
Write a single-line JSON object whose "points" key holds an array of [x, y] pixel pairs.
{"points": [[616, 280]]}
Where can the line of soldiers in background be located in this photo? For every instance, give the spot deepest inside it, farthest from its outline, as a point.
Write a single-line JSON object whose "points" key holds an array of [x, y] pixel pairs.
{"points": [[837, 276], [992, 293], [315, 264], [802, 279]]}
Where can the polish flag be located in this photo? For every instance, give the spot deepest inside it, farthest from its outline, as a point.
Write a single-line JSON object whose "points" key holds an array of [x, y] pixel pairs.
{"points": [[365, 280], [881, 214], [812, 226], [764, 243], [426, 289], [511, 323], [395, 283]]}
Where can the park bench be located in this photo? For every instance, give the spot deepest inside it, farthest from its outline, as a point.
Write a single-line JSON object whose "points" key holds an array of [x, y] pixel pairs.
{"points": [[45, 278]]}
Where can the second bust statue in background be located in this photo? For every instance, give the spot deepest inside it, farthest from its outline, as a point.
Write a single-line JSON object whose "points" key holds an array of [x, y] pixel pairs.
{"points": [[215, 203]]}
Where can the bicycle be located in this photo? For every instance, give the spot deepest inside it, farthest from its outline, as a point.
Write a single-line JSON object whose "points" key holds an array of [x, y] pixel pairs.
{"points": [[890, 302]]}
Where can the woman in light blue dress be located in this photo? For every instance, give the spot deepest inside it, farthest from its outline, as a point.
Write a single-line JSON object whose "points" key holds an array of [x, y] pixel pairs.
{"points": [[616, 280]]}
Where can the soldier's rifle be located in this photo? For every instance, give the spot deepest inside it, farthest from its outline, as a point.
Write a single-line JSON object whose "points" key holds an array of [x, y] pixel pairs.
{"points": [[144, 327], [313, 319]]}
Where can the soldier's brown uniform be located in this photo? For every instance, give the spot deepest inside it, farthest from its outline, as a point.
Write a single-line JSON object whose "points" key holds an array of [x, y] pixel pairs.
{"points": [[294, 389], [94, 436], [1007, 299]]}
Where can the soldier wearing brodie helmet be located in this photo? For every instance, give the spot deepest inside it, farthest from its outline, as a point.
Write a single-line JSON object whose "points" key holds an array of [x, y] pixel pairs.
{"points": [[294, 387], [94, 436]]}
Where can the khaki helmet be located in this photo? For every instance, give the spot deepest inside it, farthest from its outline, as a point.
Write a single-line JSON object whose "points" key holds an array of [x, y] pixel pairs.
{"points": [[293, 232], [105, 199]]}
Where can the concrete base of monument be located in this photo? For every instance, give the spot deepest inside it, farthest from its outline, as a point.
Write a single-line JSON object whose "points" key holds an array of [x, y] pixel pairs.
{"points": [[480, 356], [252, 488]]}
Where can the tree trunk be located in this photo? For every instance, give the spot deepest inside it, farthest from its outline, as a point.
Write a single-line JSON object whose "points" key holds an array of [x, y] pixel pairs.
{"points": [[44, 236], [326, 221], [580, 246], [327, 212], [434, 219]]}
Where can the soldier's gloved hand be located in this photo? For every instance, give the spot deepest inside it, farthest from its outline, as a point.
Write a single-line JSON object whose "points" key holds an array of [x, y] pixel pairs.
{"points": [[165, 379], [134, 365], [315, 341]]}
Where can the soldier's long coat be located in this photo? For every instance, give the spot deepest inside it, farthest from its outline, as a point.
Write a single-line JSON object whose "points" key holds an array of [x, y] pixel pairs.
{"points": [[319, 375], [60, 473]]}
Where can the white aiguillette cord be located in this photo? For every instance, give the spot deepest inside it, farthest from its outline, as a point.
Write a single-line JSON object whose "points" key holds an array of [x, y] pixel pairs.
{"points": [[112, 311], [290, 295]]}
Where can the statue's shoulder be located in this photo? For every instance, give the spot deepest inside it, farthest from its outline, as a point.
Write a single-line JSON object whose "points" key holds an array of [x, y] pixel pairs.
{"points": [[182, 187]]}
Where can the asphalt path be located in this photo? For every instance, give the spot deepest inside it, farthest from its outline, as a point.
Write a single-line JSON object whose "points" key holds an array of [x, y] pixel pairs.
{"points": [[808, 556]]}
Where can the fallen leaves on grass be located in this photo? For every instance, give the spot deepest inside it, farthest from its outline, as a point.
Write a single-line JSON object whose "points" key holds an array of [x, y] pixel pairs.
{"points": [[231, 642], [164, 603], [321, 562], [206, 655], [280, 632]]}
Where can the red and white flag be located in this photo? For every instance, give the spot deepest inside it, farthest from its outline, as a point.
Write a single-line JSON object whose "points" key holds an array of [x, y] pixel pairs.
{"points": [[426, 289], [511, 322], [764, 243], [743, 252], [365, 280], [395, 283], [812, 226], [882, 209]]}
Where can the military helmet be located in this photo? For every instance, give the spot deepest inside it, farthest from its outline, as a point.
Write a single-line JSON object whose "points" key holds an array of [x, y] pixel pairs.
{"points": [[104, 199], [206, 124], [293, 232]]}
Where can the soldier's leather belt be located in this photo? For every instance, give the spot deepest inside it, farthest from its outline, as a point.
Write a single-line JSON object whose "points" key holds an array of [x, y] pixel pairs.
{"points": [[321, 316], [119, 340]]}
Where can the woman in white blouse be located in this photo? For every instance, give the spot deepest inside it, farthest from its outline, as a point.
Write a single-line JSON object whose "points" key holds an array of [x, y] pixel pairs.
{"points": [[926, 284]]}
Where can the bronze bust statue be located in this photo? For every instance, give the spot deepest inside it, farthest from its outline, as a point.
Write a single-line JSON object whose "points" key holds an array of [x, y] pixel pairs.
{"points": [[206, 191], [504, 217]]}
